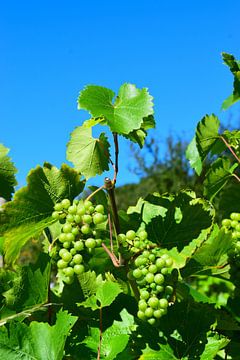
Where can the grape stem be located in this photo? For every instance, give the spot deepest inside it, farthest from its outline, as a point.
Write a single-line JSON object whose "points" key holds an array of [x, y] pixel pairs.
{"points": [[100, 334], [115, 138], [236, 177], [114, 259], [229, 148], [95, 192]]}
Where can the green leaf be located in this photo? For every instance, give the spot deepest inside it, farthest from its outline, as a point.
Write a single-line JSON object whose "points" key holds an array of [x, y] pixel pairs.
{"points": [[30, 211], [132, 105], [193, 156], [38, 341], [89, 155], [234, 66], [233, 139], [207, 134], [107, 293], [211, 257], [138, 136], [7, 174], [214, 344], [114, 339], [218, 176]]}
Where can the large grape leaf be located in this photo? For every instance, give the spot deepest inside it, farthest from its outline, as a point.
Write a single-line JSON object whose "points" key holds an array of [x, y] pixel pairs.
{"points": [[220, 172], [38, 341], [179, 223], [125, 114], [234, 66], [185, 333], [7, 174], [211, 258], [114, 339], [30, 211], [207, 134], [89, 155]]}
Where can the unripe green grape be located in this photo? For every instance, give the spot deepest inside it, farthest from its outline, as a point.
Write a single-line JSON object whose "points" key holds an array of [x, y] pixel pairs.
{"points": [[169, 290], [87, 219], [144, 294], [235, 216], [153, 302], [226, 222], [130, 235], [85, 229], [141, 282], [237, 227], [70, 237], [98, 218], [98, 242], [70, 218], [68, 280], [67, 228], [152, 269], [137, 244], [99, 208], [236, 235], [79, 245], [65, 203], [152, 321], [157, 313], [130, 275], [68, 271], [87, 204], [76, 201], [90, 243], [91, 209], [61, 264], [169, 262], [159, 279], [58, 207], [148, 312], [141, 315], [62, 251], [142, 305], [149, 278], [79, 269], [81, 211], [142, 235], [66, 256], [72, 209], [73, 251], [78, 259], [66, 244], [144, 271], [62, 238], [152, 257], [159, 288], [55, 215], [77, 219], [164, 271], [137, 273], [75, 231], [146, 253], [121, 238], [163, 303], [234, 223], [153, 285]]}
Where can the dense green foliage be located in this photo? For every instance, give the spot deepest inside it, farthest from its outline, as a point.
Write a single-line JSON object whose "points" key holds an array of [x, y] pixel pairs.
{"points": [[158, 280]]}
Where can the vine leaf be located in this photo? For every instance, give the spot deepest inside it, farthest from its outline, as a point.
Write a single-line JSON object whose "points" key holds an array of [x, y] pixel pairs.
{"points": [[207, 134], [193, 156], [114, 339], [234, 66], [7, 174], [89, 155], [211, 258], [30, 211], [105, 294], [38, 340], [123, 116], [179, 223], [217, 176]]}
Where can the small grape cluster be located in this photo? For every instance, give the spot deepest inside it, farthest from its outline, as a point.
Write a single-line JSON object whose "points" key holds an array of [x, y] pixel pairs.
{"points": [[150, 270], [80, 221], [233, 225]]}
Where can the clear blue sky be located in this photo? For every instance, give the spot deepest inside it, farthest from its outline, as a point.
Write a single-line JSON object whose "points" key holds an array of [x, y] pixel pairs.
{"points": [[51, 49]]}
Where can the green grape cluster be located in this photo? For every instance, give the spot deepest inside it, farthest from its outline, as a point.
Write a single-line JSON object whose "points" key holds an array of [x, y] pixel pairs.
{"points": [[151, 271], [79, 234], [133, 242], [233, 224]]}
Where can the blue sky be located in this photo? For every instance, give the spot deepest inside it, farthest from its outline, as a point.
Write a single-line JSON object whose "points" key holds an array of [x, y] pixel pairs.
{"points": [[51, 50]]}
